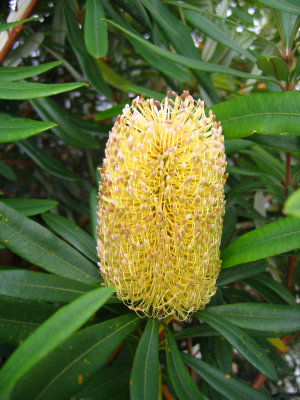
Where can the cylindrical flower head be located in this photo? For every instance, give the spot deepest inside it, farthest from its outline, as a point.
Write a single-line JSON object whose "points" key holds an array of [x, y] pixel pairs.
{"points": [[161, 203]]}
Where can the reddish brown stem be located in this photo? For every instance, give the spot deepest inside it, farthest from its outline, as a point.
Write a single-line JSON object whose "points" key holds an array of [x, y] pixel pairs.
{"points": [[258, 381], [166, 393], [14, 33], [288, 179]]}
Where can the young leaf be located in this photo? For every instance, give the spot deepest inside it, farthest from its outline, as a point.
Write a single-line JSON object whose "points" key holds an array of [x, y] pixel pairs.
{"points": [[71, 232], [32, 90], [275, 238], [65, 370], [29, 207], [13, 129], [265, 113], [242, 342], [225, 384], [32, 285], [264, 317], [36, 244], [182, 382], [95, 30], [10, 74], [144, 374], [49, 335]]}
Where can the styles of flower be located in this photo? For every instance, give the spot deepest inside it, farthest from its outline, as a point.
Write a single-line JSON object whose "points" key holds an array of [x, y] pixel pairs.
{"points": [[161, 203]]}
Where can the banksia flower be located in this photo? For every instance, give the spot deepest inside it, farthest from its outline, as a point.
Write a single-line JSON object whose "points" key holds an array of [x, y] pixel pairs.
{"points": [[161, 203]]}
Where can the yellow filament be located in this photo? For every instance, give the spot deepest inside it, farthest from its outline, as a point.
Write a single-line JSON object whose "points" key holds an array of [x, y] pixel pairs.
{"points": [[161, 204]]}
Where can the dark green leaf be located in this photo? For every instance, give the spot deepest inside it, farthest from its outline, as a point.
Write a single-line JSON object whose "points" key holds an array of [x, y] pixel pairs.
{"points": [[13, 129], [36, 244], [7, 171], [106, 383], [66, 130], [95, 30], [32, 285], [260, 316], [229, 222], [223, 353], [242, 342], [227, 385], [265, 113], [182, 382], [278, 142], [29, 207], [49, 335], [275, 238], [9, 25], [144, 374], [93, 212], [9, 74], [274, 66], [235, 145], [19, 318], [32, 90], [64, 371], [71, 232], [46, 162], [240, 188], [239, 272]]}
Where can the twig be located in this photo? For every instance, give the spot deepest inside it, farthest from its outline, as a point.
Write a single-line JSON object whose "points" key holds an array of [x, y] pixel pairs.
{"points": [[166, 393]]}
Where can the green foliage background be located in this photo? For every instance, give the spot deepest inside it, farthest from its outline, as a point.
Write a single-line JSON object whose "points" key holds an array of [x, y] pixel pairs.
{"points": [[72, 70]]}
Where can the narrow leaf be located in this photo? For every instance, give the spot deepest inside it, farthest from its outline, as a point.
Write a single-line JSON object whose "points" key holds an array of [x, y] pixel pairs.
{"points": [[242, 342], [110, 112], [9, 74], [13, 129], [278, 142], [265, 113], [263, 317], [32, 285], [144, 373], [275, 238], [274, 66], [63, 372], [225, 384], [9, 25], [182, 382], [29, 207], [239, 272], [7, 171], [36, 244], [71, 232], [282, 5], [93, 202], [32, 90], [49, 335], [95, 30]]}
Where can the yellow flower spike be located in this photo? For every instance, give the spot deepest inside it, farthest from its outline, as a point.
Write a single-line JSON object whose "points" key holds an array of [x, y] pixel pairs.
{"points": [[161, 203]]}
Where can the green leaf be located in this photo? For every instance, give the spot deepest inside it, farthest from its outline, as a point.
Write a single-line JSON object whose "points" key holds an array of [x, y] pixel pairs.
{"points": [[74, 235], [275, 238], [264, 317], [32, 90], [9, 74], [182, 382], [241, 341], [93, 202], [13, 129], [110, 112], [67, 129], [240, 188], [210, 29], [19, 318], [46, 162], [292, 205], [32, 285], [274, 66], [186, 61], [7, 171], [223, 353], [235, 145], [9, 25], [49, 335], [144, 373], [229, 222], [265, 113], [88, 64], [282, 5], [278, 142], [95, 30], [239, 272], [106, 383], [39, 246], [227, 385], [29, 207], [64, 371]]}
